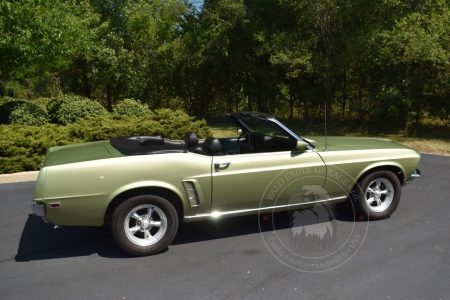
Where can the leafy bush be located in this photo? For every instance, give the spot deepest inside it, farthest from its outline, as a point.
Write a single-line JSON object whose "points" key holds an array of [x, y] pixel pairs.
{"points": [[70, 109], [169, 124], [132, 108], [53, 107], [23, 112], [6, 99], [22, 148], [42, 102]]}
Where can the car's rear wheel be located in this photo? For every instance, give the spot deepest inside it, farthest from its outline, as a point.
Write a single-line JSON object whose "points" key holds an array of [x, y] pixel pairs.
{"points": [[144, 225], [378, 194]]}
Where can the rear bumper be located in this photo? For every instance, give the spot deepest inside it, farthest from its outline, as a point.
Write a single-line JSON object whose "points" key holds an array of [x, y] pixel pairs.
{"points": [[39, 210]]}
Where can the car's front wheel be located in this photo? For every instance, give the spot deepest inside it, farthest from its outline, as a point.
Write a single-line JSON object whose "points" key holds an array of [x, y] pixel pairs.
{"points": [[378, 194], [144, 225]]}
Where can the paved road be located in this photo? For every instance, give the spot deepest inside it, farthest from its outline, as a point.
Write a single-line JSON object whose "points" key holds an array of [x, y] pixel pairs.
{"points": [[403, 257]]}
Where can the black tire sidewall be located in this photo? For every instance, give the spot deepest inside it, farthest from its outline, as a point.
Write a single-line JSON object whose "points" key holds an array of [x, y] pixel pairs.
{"points": [[362, 187], [118, 229]]}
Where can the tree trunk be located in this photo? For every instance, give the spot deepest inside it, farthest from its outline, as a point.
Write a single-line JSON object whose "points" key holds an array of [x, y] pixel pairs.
{"points": [[291, 103], [2, 87], [87, 88], [344, 98], [109, 97], [360, 104], [259, 96], [249, 99]]}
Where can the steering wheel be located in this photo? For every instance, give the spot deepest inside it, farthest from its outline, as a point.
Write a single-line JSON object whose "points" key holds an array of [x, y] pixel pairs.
{"points": [[246, 145]]}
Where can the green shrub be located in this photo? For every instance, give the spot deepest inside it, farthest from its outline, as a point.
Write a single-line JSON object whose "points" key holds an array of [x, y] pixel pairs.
{"points": [[42, 102], [22, 148], [23, 112], [70, 109], [70, 112], [169, 124], [53, 107], [6, 99], [132, 108]]}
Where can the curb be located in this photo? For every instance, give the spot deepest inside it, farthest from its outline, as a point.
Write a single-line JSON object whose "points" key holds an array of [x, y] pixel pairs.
{"points": [[19, 177]]}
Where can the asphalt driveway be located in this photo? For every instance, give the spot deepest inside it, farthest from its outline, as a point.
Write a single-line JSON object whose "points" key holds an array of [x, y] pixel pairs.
{"points": [[403, 257]]}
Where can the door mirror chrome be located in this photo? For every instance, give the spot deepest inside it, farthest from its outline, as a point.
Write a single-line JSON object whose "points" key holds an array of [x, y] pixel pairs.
{"points": [[301, 146]]}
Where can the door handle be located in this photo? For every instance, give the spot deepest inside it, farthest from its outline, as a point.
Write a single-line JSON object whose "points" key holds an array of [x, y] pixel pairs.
{"points": [[217, 165]]}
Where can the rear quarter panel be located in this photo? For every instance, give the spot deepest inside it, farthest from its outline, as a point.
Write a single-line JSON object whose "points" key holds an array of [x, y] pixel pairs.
{"points": [[85, 189]]}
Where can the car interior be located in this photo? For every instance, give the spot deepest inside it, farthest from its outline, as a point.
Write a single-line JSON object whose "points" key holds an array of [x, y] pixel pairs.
{"points": [[247, 142]]}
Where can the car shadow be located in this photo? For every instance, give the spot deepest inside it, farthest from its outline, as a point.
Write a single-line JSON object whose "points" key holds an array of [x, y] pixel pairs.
{"points": [[39, 241]]}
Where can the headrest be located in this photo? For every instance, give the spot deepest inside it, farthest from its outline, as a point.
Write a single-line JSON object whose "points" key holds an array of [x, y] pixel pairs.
{"points": [[212, 145], [191, 139]]}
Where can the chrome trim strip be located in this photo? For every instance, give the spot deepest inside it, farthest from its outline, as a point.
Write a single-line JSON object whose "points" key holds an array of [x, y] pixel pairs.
{"points": [[218, 214], [285, 128], [73, 197]]}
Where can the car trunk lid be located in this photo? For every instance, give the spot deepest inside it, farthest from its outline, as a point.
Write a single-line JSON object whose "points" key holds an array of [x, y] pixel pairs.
{"points": [[79, 152]]}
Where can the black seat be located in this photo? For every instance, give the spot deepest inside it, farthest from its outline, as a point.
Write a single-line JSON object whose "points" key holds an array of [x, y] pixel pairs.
{"points": [[212, 147], [191, 141]]}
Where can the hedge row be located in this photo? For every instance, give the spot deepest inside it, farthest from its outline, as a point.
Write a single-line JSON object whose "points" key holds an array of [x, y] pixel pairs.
{"points": [[22, 148], [65, 110]]}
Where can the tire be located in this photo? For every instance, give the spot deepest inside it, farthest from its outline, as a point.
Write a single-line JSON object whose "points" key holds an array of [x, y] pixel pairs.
{"points": [[378, 195], [144, 225]]}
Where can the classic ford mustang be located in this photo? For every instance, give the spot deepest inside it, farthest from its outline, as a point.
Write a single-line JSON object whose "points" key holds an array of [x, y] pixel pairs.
{"points": [[143, 185]]}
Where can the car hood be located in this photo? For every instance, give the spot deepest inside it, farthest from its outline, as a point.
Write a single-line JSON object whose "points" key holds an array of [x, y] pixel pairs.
{"points": [[339, 143], [79, 152]]}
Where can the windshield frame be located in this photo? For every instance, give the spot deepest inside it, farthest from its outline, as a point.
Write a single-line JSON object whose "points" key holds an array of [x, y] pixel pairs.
{"points": [[269, 119]]}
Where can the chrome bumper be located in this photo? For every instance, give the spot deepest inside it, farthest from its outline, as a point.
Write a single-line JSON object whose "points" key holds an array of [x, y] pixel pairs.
{"points": [[415, 175], [39, 210]]}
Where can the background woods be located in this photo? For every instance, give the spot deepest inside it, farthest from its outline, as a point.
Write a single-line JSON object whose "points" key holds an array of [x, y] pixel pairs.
{"points": [[383, 63]]}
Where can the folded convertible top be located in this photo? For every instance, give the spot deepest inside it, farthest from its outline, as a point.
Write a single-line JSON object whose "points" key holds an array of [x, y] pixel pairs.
{"points": [[146, 144]]}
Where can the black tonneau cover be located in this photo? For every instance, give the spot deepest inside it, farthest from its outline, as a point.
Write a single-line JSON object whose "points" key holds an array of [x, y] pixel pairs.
{"points": [[146, 144]]}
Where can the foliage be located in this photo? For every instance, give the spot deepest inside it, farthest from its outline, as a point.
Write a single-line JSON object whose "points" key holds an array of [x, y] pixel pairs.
{"points": [[40, 37], [22, 148], [130, 107], [23, 112], [72, 108], [392, 107], [283, 57], [169, 124]]}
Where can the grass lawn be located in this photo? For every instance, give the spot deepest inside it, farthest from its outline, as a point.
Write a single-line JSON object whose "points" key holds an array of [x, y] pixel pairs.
{"points": [[224, 128]]}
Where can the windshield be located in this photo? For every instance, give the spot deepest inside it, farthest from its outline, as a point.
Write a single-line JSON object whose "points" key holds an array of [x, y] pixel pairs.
{"points": [[261, 126]]}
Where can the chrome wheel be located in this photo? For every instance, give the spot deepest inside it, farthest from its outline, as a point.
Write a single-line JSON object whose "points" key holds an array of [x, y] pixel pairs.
{"points": [[145, 225], [379, 194]]}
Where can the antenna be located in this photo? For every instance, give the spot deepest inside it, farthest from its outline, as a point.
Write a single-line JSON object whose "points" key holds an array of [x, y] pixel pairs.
{"points": [[326, 144]]}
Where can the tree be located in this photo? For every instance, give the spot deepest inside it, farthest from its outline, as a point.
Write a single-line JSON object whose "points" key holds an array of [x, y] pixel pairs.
{"points": [[41, 35]]}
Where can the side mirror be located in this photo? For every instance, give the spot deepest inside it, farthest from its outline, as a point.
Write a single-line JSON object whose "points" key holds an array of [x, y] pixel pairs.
{"points": [[301, 146], [239, 131]]}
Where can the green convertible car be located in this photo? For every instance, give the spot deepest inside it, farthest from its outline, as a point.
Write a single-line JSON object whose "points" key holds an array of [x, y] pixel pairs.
{"points": [[144, 185]]}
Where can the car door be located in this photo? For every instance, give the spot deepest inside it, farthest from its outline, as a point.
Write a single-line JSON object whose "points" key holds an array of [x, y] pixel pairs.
{"points": [[244, 182]]}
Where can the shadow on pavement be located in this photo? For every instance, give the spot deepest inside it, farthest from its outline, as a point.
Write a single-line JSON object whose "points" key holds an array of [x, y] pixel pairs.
{"points": [[39, 241]]}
